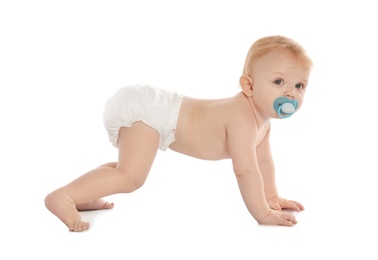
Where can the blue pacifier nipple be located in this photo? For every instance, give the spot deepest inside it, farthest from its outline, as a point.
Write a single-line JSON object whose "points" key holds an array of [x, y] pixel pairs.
{"points": [[285, 107]]}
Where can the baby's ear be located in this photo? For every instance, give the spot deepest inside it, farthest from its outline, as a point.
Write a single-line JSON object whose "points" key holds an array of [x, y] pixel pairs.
{"points": [[246, 84]]}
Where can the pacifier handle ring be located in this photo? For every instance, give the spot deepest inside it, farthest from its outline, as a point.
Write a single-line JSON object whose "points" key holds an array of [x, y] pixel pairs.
{"points": [[283, 116]]}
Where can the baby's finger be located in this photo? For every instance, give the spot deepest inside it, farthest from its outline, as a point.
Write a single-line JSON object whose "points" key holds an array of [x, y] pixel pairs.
{"points": [[289, 219], [290, 205], [287, 223], [299, 205], [293, 206]]}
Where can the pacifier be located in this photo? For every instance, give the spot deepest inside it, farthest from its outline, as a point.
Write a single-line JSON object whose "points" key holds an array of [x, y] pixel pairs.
{"points": [[285, 107]]}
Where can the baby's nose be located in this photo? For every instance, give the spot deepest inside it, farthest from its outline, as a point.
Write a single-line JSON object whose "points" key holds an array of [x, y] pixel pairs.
{"points": [[290, 93]]}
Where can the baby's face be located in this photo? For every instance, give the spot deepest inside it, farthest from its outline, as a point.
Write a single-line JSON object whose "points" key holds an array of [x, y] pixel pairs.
{"points": [[278, 74]]}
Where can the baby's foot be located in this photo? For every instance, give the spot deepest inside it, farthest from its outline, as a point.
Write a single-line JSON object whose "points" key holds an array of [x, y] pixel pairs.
{"points": [[95, 205], [62, 206]]}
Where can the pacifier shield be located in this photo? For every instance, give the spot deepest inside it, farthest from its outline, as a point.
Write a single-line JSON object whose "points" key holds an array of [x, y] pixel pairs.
{"points": [[285, 107]]}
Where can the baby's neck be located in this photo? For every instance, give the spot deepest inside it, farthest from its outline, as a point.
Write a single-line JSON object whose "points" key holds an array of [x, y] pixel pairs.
{"points": [[261, 120]]}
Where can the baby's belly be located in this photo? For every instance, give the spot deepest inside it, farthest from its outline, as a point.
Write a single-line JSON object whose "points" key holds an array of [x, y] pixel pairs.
{"points": [[203, 149]]}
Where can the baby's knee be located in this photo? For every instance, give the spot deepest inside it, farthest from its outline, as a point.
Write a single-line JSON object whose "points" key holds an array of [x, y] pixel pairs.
{"points": [[136, 183], [131, 183]]}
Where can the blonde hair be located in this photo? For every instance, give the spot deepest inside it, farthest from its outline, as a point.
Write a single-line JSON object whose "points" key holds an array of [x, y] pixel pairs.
{"points": [[274, 43]]}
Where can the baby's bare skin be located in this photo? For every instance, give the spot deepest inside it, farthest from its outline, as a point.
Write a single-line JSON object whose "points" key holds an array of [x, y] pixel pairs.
{"points": [[63, 206], [236, 128], [202, 125]]}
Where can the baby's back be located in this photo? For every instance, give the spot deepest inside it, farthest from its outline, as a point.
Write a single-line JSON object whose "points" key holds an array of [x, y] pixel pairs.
{"points": [[201, 128]]}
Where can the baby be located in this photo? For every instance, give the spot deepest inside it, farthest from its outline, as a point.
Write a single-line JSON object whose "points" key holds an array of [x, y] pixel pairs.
{"points": [[141, 119]]}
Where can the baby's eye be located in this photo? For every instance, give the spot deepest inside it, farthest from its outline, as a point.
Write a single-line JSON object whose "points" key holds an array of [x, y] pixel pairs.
{"points": [[278, 82], [299, 86]]}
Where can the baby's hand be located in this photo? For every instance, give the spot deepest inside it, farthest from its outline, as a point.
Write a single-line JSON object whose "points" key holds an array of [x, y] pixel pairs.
{"points": [[279, 218], [278, 203]]}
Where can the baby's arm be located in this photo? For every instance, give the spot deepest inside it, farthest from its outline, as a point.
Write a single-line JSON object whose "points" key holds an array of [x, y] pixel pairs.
{"points": [[266, 166], [242, 148]]}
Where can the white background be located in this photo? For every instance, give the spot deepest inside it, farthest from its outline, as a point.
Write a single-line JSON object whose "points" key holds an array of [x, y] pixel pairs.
{"points": [[61, 60]]}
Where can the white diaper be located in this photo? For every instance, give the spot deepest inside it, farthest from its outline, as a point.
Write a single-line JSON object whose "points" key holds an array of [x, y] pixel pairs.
{"points": [[155, 107]]}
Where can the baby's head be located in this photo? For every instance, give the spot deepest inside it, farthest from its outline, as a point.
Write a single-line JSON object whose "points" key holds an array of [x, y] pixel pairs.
{"points": [[276, 73], [274, 43]]}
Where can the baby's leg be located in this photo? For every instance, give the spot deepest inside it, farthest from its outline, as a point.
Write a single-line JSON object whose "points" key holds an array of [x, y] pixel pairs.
{"points": [[97, 204], [137, 147]]}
